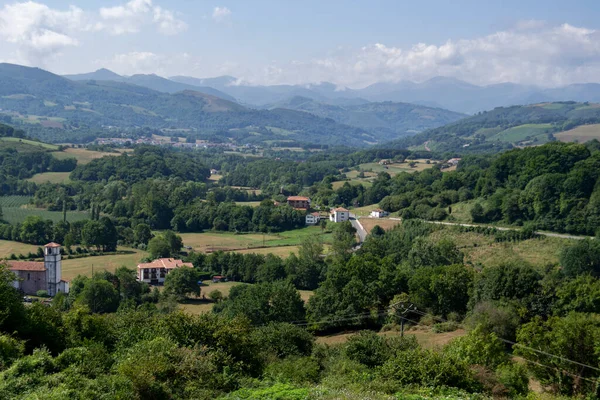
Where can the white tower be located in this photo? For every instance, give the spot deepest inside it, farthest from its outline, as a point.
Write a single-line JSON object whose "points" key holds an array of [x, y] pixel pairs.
{"points": [[52, 263]]}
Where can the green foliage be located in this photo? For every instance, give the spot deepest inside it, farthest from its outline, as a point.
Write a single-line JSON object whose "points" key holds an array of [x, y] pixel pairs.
{"points": [[514, 377], [182, 282], [583, 257], [11, 349], [279, 391], [367, 348], [99, 295], [294, 370], [479, 348]]}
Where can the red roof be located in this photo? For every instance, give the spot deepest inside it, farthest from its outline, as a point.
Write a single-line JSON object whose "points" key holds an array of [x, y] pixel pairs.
{"points": [[298, 198], [316, 214], [167, 263], [52, 244], [26, 266], [339, 209]]}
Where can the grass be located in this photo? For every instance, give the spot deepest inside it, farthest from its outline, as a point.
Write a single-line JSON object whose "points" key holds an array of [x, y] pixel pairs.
{"points": [[480, 249], [283, 251], [83, 266], [83, 156], [27, 145], [424, 335], [51, 177], [354, 182], [396, 168], [14, 201], [524, 132], [248, 203], [227, 241], [16, 215], [461, 212], [8, 247], [581, 134]]}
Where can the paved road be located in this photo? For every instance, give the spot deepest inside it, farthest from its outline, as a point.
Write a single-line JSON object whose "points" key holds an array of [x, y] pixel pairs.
{"points": [[362, 233], [549, 234]]}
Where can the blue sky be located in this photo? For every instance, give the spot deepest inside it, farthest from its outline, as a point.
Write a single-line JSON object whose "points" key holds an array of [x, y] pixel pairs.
{"points": [[351, 43]]}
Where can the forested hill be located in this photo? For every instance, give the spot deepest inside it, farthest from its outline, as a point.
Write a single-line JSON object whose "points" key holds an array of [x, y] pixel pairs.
{"points": [[32, 94], [381, 119], [507, 127]]}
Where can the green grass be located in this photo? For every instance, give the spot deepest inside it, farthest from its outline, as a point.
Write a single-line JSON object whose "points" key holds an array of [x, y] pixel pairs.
{"points": [[14, 211], [84, 266], [8, 247], [522, 132], [354, 182], [12, 141], [52, 177]]}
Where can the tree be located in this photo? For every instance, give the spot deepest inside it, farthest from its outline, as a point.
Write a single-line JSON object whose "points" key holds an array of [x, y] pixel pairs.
{"points": [[175, 242], [582, 257], [99, 295], [158, 247], [182, 282], [142, 233], [35, 230], [216, 296], [478, 213]]}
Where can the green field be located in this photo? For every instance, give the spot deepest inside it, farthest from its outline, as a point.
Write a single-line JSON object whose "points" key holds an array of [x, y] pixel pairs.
{"points": [[226, 241], [8, 247], [25, 145], [15, 210], [83, 266], [83, 156], [51, 177], [524, 132]]}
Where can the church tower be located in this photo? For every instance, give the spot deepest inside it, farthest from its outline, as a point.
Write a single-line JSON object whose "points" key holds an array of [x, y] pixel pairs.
{"points": [[52, 263]]}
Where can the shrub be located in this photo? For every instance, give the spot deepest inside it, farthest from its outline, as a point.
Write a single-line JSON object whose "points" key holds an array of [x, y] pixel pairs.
{"points": [[514, 377], [294, 370], [367, 348], [41, 293], [441, 327]]}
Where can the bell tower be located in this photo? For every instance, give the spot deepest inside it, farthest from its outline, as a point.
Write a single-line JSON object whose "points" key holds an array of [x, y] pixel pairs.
{"points": [[52, 263]]}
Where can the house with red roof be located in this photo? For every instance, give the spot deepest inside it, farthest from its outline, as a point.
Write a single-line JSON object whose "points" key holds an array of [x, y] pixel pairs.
{"points": [[155, 272], [339, 214], [299, 202]]}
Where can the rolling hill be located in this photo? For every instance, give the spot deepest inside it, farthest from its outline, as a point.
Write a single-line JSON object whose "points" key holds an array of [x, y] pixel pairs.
{"points": [[31, 95], [150, 81], [381, 119], [507, 127]]}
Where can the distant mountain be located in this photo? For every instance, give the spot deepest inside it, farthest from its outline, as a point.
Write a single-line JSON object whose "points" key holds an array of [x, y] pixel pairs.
{"points": [[438, 92], [508, 127], [386, 119], [151, 81], [33, 94]]}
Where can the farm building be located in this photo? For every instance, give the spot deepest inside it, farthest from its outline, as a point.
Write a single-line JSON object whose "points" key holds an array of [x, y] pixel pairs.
{"points": [[339, 215], [219, 278], [155, 272], [36, 275], [379, 213], [299, 202]]}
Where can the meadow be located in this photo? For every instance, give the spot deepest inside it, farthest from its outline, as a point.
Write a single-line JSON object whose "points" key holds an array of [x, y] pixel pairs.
{"points": [[83, 156], [581, 134], [29, 144], [385, 223], [15, 209], [84, 266], [50, 177], [522, 132]]}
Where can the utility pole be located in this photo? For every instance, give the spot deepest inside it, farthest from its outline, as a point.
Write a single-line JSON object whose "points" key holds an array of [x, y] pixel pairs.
{"points": [[402, 308]]}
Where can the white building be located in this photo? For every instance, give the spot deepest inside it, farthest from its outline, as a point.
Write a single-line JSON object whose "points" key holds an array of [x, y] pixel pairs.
{"points": [[339, 215], [155, 272], [313, 218], [379, 213]]}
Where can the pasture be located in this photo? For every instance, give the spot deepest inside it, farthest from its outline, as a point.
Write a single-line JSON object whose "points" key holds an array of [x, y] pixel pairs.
{"points": [[8, 247], [83, 156], [25, 145], [83, 266], [396, 168], [524, 132], [50, 177], [581, 134], [385, 223]]}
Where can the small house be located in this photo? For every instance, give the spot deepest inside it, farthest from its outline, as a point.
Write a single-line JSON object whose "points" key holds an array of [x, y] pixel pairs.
{"points": [[219, 278], [339, 215], [156, 271], [313, 218], [299, 202], [379, 213]]}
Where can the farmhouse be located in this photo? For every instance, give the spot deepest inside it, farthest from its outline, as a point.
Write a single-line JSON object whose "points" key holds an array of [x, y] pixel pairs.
{"points": [[47, 275], [379, 213], [453, 161], [299, 202], [155, 272], [385, 162], [313, 218], [339, 215]]}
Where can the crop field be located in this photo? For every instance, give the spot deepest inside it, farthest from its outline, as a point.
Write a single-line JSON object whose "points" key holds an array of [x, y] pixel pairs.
{"points": [[51, 177], [581, 134], [14, 210], [396, 168], [226, 241], [83, 156], [385, 223]]}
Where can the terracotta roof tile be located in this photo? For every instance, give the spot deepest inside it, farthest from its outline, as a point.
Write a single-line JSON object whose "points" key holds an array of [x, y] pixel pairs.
{"points": [[167, 263], [52, 244], [26, 266]]}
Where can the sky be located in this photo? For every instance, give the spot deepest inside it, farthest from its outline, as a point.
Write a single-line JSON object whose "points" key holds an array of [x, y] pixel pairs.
{"points": [[350, 43]]}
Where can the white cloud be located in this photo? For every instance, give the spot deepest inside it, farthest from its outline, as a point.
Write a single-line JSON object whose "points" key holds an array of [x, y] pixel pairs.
{"points": [[531, 53], [221, 14], [39, 31], [132, 16]]}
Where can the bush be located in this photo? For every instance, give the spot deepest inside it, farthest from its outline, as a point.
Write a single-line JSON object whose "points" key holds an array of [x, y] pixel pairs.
{"points": [[514, 377], [294, 370], [367, 348], [441, 327], [41, 293]]}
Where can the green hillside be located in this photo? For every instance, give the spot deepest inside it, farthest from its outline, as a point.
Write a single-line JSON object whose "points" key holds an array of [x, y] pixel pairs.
{"points": [[384, 119], [86, 108], [507, 127]]}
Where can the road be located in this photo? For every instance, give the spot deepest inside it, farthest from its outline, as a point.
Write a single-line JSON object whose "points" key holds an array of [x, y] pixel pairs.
{"points": [[360, 231], [500, 228]]}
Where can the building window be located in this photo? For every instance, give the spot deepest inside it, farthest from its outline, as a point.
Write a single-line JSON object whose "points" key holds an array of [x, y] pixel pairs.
{"points": [[28, 276]]}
